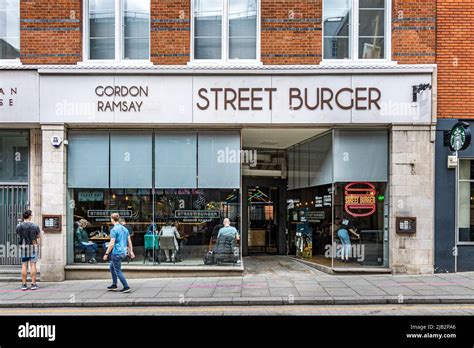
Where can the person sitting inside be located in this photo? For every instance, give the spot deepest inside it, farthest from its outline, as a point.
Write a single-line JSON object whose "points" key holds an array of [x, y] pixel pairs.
{"points": [[228, 230], [170, 230], [226, 239], [152, 228], [83, 243]]}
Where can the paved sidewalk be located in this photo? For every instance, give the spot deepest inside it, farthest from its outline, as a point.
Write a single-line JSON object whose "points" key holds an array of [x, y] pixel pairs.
{"points": [[267, 280]]}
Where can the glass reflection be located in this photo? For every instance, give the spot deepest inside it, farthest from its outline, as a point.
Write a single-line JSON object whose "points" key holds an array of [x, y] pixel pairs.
{"points": [[9, 29], [208, 29], [102, 29], [337, 21]]}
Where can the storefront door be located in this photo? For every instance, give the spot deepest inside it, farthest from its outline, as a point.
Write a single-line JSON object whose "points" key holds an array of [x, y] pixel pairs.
{"points": [[263, 219], [263, 216], [13, 202]]}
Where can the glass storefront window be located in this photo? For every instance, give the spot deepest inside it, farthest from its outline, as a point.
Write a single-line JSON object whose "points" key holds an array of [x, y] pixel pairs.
{"points": [[465, 201], [361, 209], [14, 156], [144, 181], [197, 214], [317, 214]]}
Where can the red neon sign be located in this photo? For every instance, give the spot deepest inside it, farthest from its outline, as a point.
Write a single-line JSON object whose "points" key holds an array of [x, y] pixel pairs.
{"points": [[360, 199]]}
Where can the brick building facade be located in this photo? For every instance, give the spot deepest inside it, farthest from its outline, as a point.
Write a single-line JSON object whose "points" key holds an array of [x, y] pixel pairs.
{"points": [[291, 31], [455, 102], [327, 104]]}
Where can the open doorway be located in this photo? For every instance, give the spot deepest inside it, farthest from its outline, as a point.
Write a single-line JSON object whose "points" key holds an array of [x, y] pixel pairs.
{"points": [[263, 222], [324, 184], [265, 187]]}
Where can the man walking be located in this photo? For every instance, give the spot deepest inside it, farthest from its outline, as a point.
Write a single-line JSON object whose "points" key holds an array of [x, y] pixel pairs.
{"points": [[28, 238], [119, 240]]}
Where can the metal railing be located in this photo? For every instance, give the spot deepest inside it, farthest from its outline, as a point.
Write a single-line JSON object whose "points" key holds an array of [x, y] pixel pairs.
{"points": [[13, 202]]}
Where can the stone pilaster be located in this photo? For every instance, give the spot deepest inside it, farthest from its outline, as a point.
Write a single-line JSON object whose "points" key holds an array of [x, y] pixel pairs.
{"points": [[412, 194], [35, 174], [53, 202]]}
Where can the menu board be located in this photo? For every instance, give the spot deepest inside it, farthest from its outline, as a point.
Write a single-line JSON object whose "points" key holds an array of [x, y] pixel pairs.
{"points": [[52, 223]]}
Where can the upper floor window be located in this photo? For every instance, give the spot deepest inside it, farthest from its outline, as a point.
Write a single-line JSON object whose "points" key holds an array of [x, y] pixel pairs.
{"points": [[225, 30], [118, 30], [356, 29], [9, 29]]}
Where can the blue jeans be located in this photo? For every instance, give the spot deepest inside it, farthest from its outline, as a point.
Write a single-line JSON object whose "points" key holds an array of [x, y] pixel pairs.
{"points": [[116, 269], [90, 249], [343, 235]]}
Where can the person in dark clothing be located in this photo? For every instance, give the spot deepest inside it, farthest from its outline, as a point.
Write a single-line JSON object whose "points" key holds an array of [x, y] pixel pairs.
{"points": [[83, 243], [28, 238]]}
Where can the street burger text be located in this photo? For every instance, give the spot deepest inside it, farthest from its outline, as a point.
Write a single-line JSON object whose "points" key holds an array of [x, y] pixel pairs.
{"points": [[319, 98], [131, 98], [120, 98]]}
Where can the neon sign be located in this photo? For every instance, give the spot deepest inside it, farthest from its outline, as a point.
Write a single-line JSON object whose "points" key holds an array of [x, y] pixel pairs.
{"points": [[360, 199]]}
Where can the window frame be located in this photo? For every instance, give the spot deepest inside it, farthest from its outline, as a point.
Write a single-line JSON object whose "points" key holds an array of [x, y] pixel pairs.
{"points": [[119, 38], [16, 61], [354, 38], [458, 181], [224, 60]]}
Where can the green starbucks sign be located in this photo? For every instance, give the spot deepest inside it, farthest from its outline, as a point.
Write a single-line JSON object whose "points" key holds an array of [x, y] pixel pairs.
{"points": [[460, 136]]}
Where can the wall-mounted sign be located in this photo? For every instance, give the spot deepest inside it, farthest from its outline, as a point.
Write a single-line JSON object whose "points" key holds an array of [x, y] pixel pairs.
{"points": [[120, 98], [405, 224], [318, 202], [327, 200], [197, 214], [52, 223], [229, 99], [460, 136], [360, 199], [315, 216], [255, 99], [91, 196], [107, 213]]}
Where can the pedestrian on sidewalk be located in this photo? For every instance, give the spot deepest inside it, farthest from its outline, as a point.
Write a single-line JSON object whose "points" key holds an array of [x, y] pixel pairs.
{"points": [[120, 244], [28, 238]]}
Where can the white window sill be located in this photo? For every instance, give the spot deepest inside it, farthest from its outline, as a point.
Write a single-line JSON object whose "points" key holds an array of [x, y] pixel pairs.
{"points": [[15, 62], [220, 63], [359, 62], [118, 63]]}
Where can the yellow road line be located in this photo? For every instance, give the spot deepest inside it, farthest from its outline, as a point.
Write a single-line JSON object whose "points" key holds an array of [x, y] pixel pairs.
{"points": [[185, 309]]}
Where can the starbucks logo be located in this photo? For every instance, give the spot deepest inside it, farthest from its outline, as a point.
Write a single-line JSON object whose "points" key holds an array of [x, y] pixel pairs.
{"points": [[460, 136]]}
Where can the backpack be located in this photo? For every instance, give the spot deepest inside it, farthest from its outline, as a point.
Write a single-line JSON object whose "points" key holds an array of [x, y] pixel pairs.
{"points": [[208, 258], [25, 235]]}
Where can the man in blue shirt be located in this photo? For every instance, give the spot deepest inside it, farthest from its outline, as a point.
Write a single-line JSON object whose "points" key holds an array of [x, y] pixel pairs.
{"points": [[119, 241]]}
